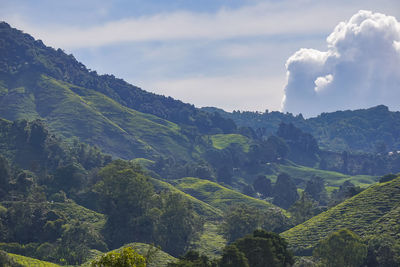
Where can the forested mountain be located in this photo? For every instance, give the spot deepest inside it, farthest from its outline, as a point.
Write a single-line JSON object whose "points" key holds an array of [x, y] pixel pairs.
{"points": [[366, 130], [90, 164]]}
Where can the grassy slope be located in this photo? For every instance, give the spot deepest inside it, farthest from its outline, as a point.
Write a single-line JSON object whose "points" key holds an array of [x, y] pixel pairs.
{"points": [[221, 141], [375, 210], [216, 195], [211, 241], [92, 117], [202, 208], [331, 178], [27, 261]]}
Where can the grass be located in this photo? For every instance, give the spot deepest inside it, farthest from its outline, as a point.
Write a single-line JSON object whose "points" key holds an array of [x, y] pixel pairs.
{"points": [[331, 178], [202, 208], [211, 241], [221, 141], [373, 211], [216, 195], [73, 211], [29, 262], [94, 118]]}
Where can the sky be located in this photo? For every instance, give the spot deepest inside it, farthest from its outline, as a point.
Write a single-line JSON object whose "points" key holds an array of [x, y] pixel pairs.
{"points": [[231, 54]]}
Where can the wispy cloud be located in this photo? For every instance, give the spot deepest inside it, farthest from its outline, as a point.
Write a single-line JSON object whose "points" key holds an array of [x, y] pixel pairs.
{"points": [[262, 19]]}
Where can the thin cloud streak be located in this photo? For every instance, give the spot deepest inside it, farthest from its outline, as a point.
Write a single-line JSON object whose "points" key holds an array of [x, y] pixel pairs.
{"points": [[264, 19]]}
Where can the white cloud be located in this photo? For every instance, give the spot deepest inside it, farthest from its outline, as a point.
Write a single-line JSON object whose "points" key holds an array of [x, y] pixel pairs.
{"points": [[322, 82], [361, 68]]}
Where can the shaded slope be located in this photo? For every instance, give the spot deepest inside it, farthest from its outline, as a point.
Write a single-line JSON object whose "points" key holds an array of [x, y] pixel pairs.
{"points": [[371, 212]]}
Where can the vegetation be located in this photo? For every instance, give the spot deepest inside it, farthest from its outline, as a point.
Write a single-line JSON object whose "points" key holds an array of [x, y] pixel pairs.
{"points": [[221, 141], [341, 248], [264, 249], [371, 212], [26, 261], [126, 258], [361, 130], [186, 180]]}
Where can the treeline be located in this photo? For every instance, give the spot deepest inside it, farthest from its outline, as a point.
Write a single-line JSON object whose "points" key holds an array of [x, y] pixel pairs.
{"points": [[373, 130]]}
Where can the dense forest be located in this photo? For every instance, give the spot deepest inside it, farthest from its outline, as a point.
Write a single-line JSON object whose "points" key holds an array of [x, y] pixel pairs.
{"points": [[97, 172]]}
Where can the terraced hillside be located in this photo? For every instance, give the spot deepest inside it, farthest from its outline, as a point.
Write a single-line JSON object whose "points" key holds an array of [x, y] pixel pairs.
{"points": [[374, 211], [332, 179], [28, 262], [218, 196]]}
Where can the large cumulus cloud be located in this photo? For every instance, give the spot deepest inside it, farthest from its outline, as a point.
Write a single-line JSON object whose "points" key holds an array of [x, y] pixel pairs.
{"points": [[361, 68]]}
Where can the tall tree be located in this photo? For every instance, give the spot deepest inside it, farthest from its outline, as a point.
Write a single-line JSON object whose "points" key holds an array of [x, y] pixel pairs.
{"points": [[265, 249], [285, 191], [341, 249]]}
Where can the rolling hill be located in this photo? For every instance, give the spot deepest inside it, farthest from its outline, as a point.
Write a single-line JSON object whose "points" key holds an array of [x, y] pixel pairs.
{"points": [[371, 212]]}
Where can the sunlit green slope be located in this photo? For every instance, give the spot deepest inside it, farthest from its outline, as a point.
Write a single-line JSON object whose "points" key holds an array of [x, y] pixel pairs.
{"points": [[91, 116], [217, 195], [373, 211]]}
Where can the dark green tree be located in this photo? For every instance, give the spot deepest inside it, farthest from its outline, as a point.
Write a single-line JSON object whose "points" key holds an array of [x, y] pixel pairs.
{"points": [[128, 257], [341, 249], [383, 251], [193, 259], [264, 248], [316, 189], [233, 257], [303, 209], [125, 196], [177, 225], [263, 186], [285, 191], [241, 220]]}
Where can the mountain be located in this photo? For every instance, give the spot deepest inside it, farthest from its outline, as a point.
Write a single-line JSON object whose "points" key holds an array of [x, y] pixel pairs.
{"points": [[39, 82], [372, 212], [374, 129], [90, 163]]}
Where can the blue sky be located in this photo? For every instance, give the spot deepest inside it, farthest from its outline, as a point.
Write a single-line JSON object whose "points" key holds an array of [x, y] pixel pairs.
{"points": [[225, 53]]}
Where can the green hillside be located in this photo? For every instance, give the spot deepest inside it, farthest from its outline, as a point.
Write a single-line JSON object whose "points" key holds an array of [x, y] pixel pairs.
{"points": [[201, 207], [331, 178], [373, 211], [28, 262], [91, 116], [221, 141], [218, 196]]}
